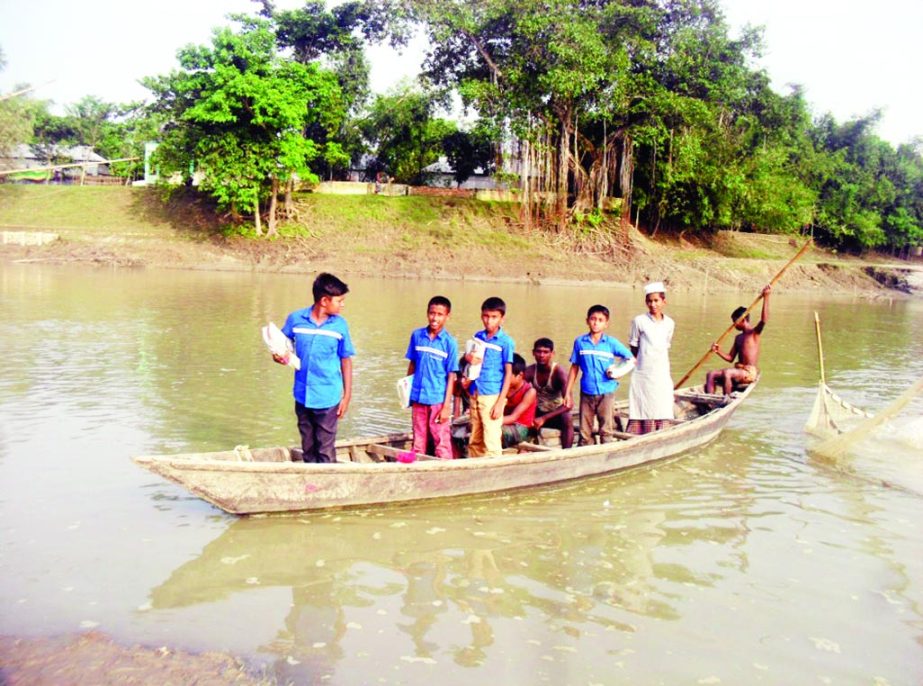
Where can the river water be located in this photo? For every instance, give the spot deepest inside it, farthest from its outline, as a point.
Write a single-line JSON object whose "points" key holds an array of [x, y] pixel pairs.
{"points": [[747, 561]]}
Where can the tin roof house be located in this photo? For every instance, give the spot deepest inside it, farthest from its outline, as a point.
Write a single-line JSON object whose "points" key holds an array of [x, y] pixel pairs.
{"points": [[25, 156]]}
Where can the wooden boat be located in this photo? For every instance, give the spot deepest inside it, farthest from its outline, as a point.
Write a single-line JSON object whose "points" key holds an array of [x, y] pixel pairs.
{"points": [[368, 470]]}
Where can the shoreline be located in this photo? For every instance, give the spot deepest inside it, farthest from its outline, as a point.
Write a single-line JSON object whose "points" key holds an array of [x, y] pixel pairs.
{"points": [[97, 658], [705, 271], [416, 237]]}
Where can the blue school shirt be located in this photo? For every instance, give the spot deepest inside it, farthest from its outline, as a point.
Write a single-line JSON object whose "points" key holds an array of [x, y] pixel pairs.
{"points": [[320, 347], [498, 350], [594, 359], [433, 360]]}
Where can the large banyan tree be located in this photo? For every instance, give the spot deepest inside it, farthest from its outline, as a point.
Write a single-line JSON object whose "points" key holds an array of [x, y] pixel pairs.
{"points": [[581, 91]]}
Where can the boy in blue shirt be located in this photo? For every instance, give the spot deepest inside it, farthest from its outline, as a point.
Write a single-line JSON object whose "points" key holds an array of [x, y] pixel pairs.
{"points": [[593, 354], [433, 356], [488, 391], [323, 384]]}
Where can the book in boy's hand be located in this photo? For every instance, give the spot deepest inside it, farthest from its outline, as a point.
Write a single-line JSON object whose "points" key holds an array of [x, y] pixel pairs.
{"points": [[404, 385], [280, 345], [475, 347]]}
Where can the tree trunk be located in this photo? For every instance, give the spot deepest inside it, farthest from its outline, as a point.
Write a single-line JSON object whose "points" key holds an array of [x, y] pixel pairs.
{"points": [[525, 184], [257, 222], [603, 191], [289, 202], [273, 203], [626, 177], [560, 201]]}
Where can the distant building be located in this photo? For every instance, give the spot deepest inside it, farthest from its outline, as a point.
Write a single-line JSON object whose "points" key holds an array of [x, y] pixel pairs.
{"points": [[24, 156], [441, 175]]}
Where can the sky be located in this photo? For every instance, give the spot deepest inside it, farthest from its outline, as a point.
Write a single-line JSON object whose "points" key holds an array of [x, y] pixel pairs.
{"points": [[850, 57]]}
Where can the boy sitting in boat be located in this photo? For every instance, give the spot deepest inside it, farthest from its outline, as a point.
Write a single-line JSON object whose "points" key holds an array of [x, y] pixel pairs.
{"points": [[488, 390], [322, 343], [433, 362], [550, 380], [594, 352], [519, 413], [746, 349]]}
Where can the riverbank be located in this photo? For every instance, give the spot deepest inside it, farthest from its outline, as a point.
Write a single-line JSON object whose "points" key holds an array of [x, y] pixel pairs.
{"points": [[94, 658], [412, 237]]}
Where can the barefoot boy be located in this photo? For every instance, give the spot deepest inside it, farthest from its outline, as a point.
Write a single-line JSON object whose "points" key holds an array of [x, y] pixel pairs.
{"points": [[746, 349], [488, 391], [323, 385], [433, 356], [550, 380], [593, 354]]}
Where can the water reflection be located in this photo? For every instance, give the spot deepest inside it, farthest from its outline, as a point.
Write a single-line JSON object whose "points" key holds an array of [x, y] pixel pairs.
{"points": [[457, 581]]}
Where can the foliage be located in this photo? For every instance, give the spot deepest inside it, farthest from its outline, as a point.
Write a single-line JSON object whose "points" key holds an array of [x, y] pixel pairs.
{"points": [[16, 118], [654, 101], [238, 111], [468, 151], [403, 134]]}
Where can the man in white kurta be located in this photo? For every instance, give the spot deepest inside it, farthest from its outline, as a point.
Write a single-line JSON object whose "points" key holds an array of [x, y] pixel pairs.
{"points": [[650, 398]]}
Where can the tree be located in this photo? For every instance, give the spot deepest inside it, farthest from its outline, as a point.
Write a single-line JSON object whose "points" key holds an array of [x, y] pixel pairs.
{"points": [[335, 39], [561, 82], [468, 151], [403, 134], [16, 118], [238, 112]]}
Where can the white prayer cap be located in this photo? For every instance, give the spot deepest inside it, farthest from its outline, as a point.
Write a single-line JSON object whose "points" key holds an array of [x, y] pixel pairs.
{"points": [[655, 287]]}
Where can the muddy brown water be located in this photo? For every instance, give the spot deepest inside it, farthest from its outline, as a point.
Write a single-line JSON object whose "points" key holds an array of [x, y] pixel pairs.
{"points": [[747, 561]]}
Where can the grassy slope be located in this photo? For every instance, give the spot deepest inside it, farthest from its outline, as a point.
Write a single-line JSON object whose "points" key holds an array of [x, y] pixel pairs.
{"points": [[409, 236]]}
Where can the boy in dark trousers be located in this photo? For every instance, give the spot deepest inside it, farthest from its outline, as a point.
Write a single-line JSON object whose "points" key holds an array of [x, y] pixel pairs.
{"points": [[549, 380], [323, 384], [593, 354]]}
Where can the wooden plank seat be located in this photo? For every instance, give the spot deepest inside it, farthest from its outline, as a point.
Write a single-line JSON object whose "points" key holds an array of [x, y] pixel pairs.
{"points": [[388, 451], [526, 447]]}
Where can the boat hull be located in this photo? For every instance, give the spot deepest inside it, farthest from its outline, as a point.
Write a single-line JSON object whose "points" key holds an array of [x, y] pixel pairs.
{"points": [[250, 487]]}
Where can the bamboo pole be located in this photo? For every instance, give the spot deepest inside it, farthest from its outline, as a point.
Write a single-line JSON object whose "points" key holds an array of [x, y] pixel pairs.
{"points": [[24, 91], [820, 349], [778, 276], [3, 172]]}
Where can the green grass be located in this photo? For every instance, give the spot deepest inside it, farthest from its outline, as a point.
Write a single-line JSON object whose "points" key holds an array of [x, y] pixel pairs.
{"points": [[75, 209], [370, 224]]}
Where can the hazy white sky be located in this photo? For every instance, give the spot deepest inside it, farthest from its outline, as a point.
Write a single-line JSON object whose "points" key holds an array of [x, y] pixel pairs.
{"points": [[850, 57]]}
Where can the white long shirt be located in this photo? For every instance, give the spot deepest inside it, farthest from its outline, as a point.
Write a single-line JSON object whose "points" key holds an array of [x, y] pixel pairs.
{"points": [[651, 393]]}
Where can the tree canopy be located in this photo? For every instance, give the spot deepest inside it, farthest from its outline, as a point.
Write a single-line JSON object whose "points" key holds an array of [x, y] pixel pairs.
{"points": [[237, 112], [654, 102]]}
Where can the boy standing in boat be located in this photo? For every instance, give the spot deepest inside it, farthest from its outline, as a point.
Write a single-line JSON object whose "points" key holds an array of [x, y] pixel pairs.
{"points": [[488, 390], [323, 384], [650, 396], [594, 352], [433, 356], [746, 349], [521, 398], [550, 381]]}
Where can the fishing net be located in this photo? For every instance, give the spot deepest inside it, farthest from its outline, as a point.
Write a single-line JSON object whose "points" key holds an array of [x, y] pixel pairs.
{"points": [[839, 444], [831, 415]]}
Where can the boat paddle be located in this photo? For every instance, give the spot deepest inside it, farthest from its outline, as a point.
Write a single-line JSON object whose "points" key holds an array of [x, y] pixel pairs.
{"points": [[778, 276]]}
